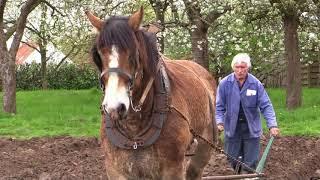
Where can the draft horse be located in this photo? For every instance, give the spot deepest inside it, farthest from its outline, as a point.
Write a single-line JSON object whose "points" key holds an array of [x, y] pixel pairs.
{"points": [[150, 106]]}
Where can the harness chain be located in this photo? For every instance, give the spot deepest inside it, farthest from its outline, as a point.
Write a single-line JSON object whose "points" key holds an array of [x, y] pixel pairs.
{"points": [[213, 146], [216, 148]]}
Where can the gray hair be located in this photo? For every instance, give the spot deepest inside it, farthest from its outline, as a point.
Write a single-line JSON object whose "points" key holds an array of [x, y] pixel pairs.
{"points": [[241, 58]]}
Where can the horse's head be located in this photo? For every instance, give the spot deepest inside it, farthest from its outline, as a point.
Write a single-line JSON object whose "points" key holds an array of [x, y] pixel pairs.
{"points": [[118, 55]]}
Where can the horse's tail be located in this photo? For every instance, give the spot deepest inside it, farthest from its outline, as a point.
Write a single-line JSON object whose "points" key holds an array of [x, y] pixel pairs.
{"points": [[215, 132]]}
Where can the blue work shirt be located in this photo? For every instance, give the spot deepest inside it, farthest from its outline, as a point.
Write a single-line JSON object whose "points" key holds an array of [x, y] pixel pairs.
{"points": [[254, 99]]}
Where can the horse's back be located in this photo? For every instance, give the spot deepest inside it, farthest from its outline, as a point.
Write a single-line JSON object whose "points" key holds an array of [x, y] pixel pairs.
{"points": [[197, 70], [185, 70], [193, 90]]}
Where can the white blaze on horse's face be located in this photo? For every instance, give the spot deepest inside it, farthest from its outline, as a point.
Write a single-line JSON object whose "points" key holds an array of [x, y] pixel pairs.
{"points": [[115, 95]]}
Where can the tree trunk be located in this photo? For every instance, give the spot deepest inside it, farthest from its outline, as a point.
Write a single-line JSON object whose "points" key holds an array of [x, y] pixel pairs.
{"points": [[8, 57], [160, 17], [199, 44], [292, 56], [199, 31], [160, 7], [43, 43], [44, 79], [9, 83]]}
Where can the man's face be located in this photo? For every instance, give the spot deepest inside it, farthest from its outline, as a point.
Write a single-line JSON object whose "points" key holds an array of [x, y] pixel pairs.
{"points": [[240, 70]]}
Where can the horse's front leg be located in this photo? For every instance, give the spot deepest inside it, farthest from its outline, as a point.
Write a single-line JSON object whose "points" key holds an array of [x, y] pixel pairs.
{"points": [[173, 162], [173, 171], [112, 173]]}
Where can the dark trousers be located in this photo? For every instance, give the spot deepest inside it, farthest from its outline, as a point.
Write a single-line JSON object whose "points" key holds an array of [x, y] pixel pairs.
{"points": [[243, 145]]}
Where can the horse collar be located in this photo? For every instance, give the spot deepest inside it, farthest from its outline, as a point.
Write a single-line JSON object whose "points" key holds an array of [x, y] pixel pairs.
{"points": [[152, 131]]}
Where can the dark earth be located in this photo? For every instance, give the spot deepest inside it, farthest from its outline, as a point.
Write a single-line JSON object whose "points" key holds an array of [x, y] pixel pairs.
{"points": [[81, 158]]}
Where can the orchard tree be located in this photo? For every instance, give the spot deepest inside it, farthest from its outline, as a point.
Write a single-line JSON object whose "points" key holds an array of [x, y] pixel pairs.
{"points": [[202, 15], [160, 8], [291, 11], [8, 55], [45, 27]]}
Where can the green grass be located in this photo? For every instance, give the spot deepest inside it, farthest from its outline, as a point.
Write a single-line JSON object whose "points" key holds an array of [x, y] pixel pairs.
{"points": [[76, 113], [53, 113], [303, 121]]}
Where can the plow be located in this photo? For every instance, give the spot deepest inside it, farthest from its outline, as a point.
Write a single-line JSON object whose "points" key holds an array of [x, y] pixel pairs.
{"points": [[256, 174]]}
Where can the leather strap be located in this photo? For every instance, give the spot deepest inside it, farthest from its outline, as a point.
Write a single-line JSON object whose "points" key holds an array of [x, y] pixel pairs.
{"points": [[151, 133], [148, 87]]}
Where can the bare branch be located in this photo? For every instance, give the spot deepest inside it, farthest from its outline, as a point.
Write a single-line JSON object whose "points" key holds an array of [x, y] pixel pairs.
{"points": [[175, 23], [34, 30], [66, 56], [9, 21], [2, 6], [174, 11], [274, 1], [193, 9], [213, 15], [10, 32], [21, 23], [54, 9], [31, 45], [116, 6]]}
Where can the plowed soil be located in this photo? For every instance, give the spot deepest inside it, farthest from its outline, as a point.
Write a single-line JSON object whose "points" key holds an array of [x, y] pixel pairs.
{"points": [[81, 158]]}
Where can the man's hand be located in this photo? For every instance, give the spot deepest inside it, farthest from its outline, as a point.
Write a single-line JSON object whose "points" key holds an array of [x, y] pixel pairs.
{"points": [[274, 131], [220, 127]]}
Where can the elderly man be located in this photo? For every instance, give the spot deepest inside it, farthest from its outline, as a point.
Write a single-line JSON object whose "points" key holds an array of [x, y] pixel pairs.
{"points": [[240, 99]]}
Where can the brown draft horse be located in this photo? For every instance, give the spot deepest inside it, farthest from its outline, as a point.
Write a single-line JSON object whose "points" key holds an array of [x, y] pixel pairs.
{"points": [[150, 105]]}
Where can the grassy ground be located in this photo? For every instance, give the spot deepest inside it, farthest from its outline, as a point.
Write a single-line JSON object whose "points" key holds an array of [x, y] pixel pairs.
{"points": [[302, 121], [52, 113], [76, 113]]}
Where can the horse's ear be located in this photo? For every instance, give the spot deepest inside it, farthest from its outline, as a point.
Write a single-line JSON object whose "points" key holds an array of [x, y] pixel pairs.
{"points": [[136, 19], [95, 21]]}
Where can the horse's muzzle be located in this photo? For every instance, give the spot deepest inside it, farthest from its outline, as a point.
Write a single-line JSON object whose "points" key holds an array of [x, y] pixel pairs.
{"points": [[119, 113]]}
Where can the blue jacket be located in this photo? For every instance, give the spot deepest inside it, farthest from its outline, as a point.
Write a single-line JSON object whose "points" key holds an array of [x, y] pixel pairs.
{"points": [[254, 100]]}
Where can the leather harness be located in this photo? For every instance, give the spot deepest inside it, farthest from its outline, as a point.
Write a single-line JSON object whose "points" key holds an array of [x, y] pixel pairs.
{"points": [[151, 132]]}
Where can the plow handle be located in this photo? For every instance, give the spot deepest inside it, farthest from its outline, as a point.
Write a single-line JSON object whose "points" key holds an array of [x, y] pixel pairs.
{"points": [[264, 156]]}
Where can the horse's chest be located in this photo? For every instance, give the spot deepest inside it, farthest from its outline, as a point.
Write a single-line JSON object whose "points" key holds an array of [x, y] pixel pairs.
{"points": [[136, 163]]}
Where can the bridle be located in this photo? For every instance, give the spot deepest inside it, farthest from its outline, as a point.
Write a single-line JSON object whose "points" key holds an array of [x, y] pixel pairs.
{"points": [[130, 77]]}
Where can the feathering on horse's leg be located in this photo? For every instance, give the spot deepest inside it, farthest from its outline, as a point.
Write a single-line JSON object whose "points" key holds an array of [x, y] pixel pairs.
{"points": [[112, 173], [174, 172]]}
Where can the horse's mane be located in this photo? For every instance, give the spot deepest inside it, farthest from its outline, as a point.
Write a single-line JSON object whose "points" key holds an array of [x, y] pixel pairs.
{"points": [[152, 54], [116, 31]]}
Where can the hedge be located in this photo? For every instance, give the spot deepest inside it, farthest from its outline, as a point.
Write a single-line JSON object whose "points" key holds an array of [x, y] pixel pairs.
{"points": [[67, 76]]}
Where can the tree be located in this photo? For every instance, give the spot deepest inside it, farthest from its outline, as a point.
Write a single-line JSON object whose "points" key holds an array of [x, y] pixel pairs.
{"points": [[291, 11], [199, 22], [8, 56], [160, 7], [46, 30]]}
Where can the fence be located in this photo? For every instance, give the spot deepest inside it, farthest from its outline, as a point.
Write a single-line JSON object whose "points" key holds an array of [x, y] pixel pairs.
{"points": [[310, 76]]}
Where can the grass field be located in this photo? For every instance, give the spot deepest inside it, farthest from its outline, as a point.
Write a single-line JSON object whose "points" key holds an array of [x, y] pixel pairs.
{"points": [[76, 113], [302, 121], [53, 113]]}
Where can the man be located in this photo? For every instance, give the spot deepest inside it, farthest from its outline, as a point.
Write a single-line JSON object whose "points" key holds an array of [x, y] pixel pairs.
{"points": [[240, 99]]}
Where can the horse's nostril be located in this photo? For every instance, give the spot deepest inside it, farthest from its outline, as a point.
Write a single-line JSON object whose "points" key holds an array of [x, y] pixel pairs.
{"points": [[121, 109]]}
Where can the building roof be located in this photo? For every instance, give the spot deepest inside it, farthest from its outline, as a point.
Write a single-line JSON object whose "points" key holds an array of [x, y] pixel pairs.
{"points": [[24, 52]]}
